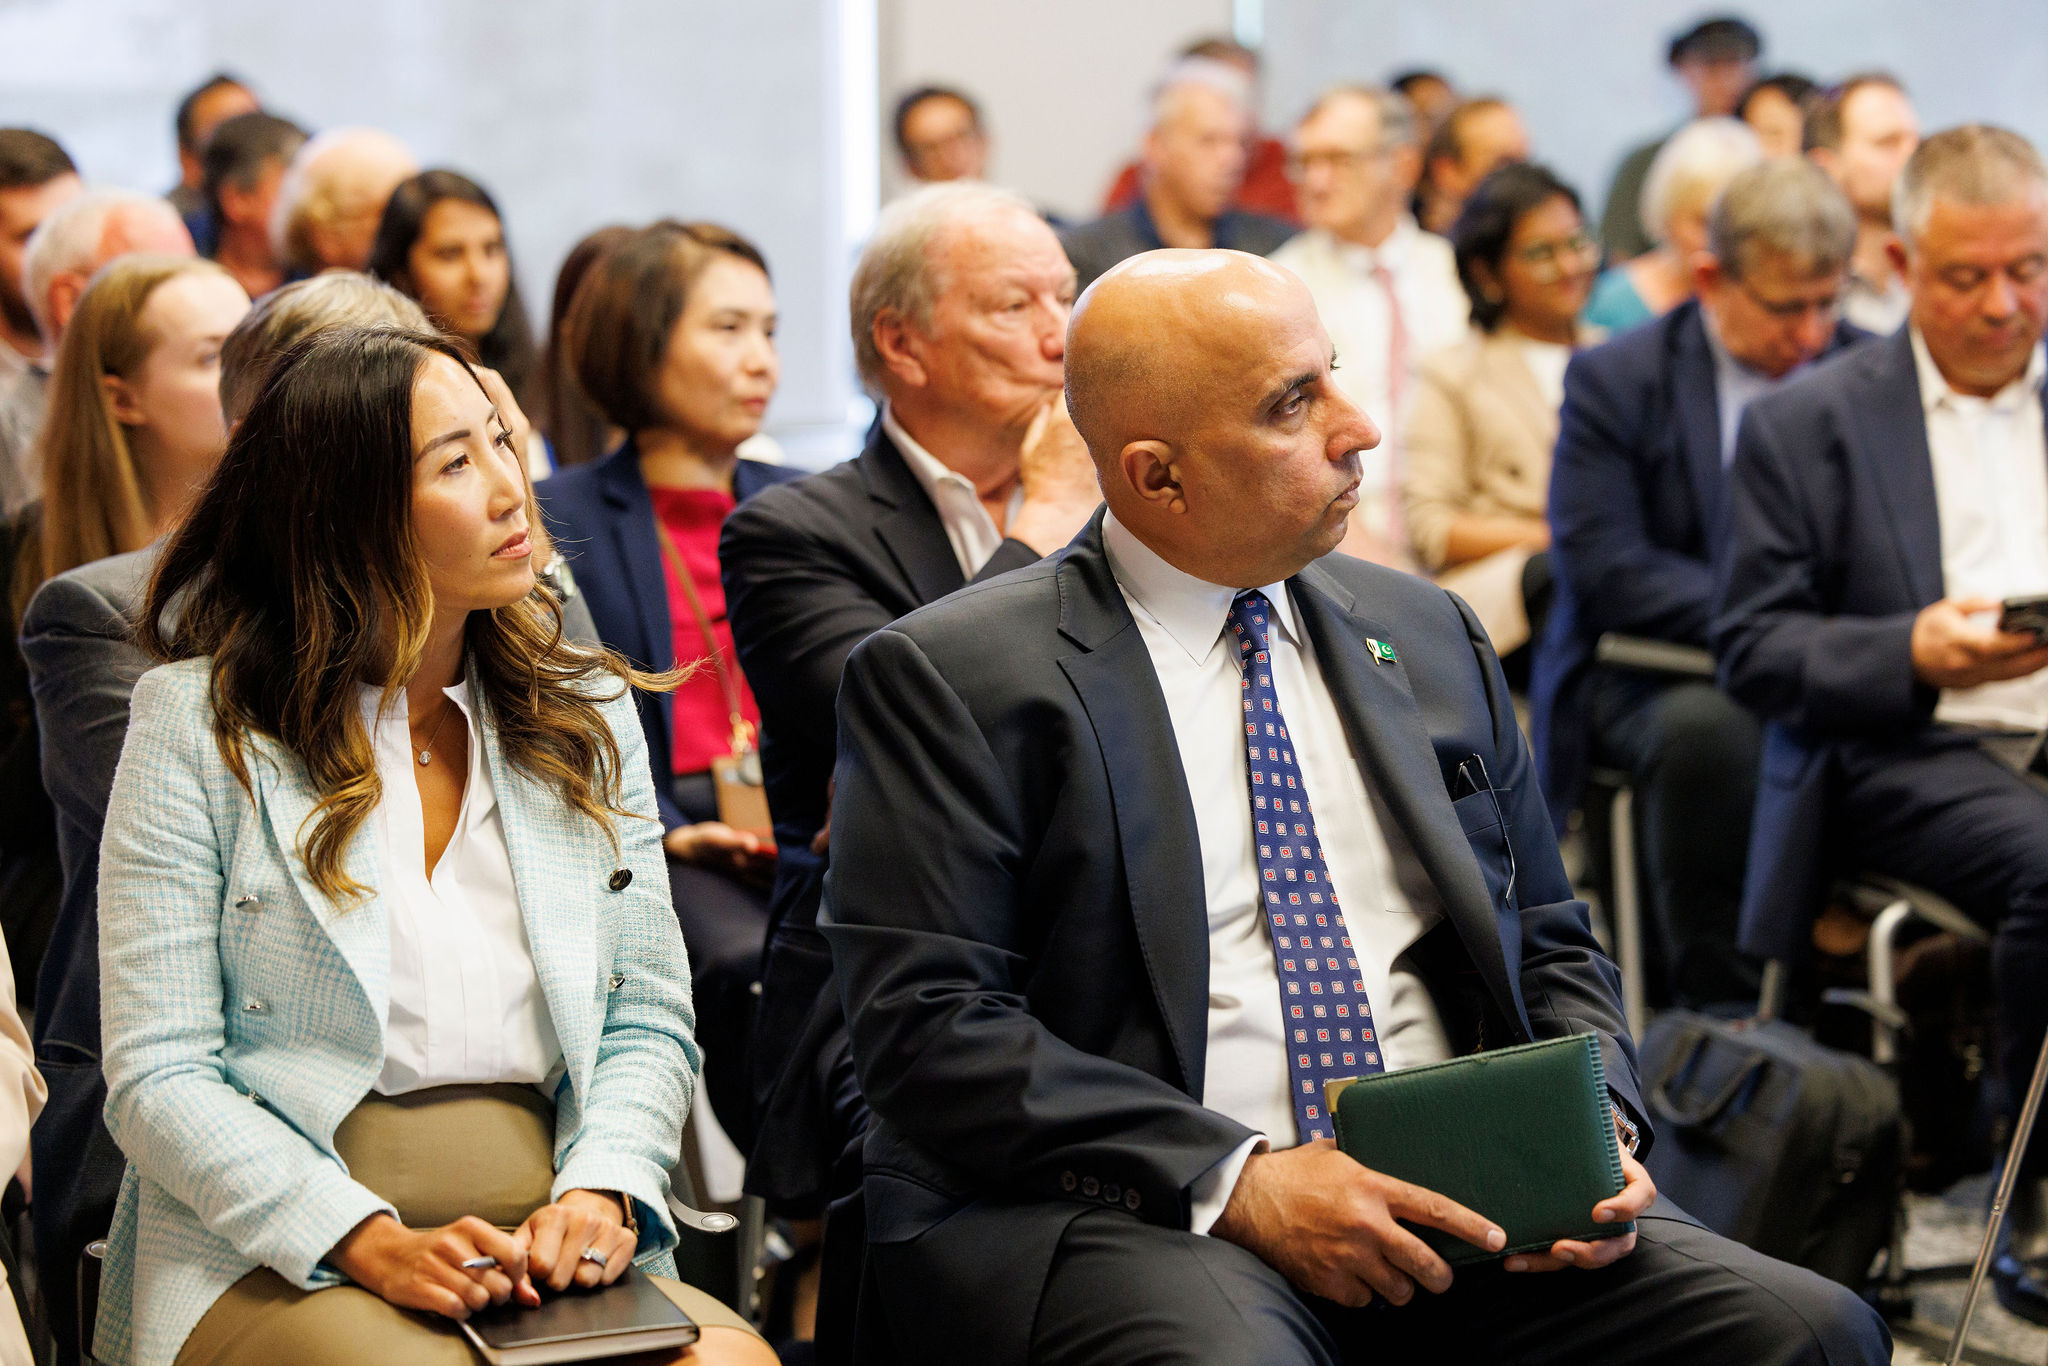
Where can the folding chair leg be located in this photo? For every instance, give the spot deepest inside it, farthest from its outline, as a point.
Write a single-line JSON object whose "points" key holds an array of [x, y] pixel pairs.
{"points": [[1626, 896], [2022, 1132]]}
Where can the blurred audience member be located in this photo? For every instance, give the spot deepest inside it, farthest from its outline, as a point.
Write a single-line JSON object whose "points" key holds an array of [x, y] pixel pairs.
{"points": [[442, 242], [1387, 291], [1639, 515], [1862, 133], [1266, 187], [332, 199], [1429, 93], [1716, 60], [1475, 469], [1878, 512], [674, 338], [210, 104], [1678, 194], [243, 165], [36, 178], [22, 1095], [1471, 141], [77, 640], [134, 428], [959, 308], [72, 243], [1194, 162], [1775, 110], [576, 430], [939, 133]]}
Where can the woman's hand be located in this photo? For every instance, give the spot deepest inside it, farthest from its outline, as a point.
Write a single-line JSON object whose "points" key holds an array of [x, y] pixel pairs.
{"points": [[422, 1268], [719, 847], [554, 1238]]}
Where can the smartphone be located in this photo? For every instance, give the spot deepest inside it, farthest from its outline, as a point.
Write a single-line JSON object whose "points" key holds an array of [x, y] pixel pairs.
{"points": [[2025, 615]]}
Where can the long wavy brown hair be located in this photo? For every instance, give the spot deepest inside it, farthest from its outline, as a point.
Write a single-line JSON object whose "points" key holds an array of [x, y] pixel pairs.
{"points": [[299, 575]]}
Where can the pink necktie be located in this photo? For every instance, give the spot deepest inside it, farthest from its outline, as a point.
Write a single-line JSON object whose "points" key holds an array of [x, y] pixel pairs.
{"points": [[1397, 377]]}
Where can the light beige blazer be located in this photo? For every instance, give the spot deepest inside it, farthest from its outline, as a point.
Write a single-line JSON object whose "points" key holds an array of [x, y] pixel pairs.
{"points": [[1478, 442]]}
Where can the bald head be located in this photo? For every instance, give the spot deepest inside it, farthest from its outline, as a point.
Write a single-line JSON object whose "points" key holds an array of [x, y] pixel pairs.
{"points": [[333, 194], [1201, 382], [86, 233]]}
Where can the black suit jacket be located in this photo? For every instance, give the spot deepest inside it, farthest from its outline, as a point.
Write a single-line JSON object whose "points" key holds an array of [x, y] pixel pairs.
{"points": [[811, 569], [1016, 909], [1834, 547], [1638, 511]]}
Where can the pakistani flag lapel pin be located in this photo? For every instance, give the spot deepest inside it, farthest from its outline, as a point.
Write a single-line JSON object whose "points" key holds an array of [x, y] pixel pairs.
{"points": [[1382, 651]]}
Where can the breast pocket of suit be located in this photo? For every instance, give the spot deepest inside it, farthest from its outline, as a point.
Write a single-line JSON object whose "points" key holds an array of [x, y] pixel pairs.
{"points": [[1482, 820]]}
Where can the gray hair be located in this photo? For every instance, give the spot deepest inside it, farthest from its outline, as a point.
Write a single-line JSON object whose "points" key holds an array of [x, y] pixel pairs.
{"points": [[1976, 163], [1788, 207], [321, 176], [895, 273], [1691, 168], [288, 315], [1199, 73], [1398, 125], [68, 242]]}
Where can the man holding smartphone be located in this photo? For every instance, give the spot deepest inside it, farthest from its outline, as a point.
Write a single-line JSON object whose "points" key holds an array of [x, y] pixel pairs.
{"points": [[1882, 511]]}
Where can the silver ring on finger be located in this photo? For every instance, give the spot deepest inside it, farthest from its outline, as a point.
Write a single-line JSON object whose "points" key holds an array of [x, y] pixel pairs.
{"points": [[591, 1254]]}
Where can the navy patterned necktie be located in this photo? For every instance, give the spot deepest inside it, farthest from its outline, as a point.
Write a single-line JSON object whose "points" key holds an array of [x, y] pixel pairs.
{"points": [[1328, 1022]]}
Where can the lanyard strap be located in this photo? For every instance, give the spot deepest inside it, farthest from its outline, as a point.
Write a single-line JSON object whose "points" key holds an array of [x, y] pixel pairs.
{"points": [[742, 729]]}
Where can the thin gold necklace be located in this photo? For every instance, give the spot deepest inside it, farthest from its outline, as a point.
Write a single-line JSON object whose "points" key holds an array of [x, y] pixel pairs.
{"points": [[426, 751]]}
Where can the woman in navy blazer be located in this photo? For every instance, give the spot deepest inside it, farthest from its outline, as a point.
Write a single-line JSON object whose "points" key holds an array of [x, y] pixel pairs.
{"points": [[673, 337]]}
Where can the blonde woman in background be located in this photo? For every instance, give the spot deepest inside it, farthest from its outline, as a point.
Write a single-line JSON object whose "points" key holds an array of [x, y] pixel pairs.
{"points": [[1678, 194]]}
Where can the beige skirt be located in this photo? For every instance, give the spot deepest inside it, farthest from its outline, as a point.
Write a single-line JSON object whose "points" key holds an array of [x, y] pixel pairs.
{"points": [[436, 1155]]}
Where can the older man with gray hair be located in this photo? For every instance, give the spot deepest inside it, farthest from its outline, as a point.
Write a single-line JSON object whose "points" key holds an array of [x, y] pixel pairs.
{"points": [[1387, 291], [1193, 162], [332, 196], [1637, 516], [67, 248], [972, 468], [1881, 510]]}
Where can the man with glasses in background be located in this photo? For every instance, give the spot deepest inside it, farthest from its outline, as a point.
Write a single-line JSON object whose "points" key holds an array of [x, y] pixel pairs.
{"points": [[1387, 291], [1638, 516]]}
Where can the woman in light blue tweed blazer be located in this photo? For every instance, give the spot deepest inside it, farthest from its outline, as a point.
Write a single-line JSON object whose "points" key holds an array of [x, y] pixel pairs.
{"points": [[391, 982]]}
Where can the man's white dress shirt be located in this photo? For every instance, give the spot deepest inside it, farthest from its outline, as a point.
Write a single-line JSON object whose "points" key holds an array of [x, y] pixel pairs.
{"points": [[973, 533], [1991, 487], [1387, 907], [466, 1002], [1356, 312]]}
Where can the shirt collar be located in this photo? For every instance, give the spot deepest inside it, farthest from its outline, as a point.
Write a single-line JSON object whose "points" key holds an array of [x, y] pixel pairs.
{"points": [[1725, 360], [929, 469], [1392, 253], [1935, 389], [1191, 610]]}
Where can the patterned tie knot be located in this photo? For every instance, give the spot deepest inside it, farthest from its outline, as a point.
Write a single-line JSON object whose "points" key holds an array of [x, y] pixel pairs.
{"points": [[1250, 614]]}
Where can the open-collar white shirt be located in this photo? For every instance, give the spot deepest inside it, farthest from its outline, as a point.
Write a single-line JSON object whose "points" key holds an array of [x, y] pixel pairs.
{"points": [[973, 534], [1182, 621]]}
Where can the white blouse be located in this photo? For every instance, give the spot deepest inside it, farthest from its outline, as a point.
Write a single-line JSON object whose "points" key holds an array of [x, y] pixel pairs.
{"points": [[466, 1003]]}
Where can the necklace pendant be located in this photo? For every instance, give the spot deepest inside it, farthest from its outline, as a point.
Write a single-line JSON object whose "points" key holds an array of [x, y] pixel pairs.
{"points": [[426, 757]]}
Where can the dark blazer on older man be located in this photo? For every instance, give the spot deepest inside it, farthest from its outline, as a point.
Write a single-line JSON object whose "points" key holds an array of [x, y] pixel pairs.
{"points": [[1638, 510], [1095, 247], [1015, 909], [811, 570], [1835, 546], [602, 518]]}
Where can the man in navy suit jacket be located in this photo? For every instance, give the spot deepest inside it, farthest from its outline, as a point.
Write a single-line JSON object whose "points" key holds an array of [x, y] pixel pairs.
{"points": [[1064, 994], [1637, 512], [1879, 509]]}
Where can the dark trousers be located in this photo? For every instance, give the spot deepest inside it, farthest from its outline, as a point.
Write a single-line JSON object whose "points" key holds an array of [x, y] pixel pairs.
{"points": [[1937, 810], [1122, 1291], [724, 922], [1692, 752]]}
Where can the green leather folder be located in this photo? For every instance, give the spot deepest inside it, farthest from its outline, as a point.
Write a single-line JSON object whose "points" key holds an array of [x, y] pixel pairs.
{"points": [[1521, 1135]]}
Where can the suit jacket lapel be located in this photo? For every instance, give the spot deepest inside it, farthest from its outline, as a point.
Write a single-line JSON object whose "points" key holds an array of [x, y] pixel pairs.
{"points": [[556, 906], [1695, 401], [907, 523], [638, 546], [1392, 746], [1892, 425], [360, 930], [1155, 821]]}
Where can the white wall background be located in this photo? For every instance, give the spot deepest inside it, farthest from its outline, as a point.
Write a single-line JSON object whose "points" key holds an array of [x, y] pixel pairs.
{"points": [[573, 115], [1589, 75], [1061, 82]]}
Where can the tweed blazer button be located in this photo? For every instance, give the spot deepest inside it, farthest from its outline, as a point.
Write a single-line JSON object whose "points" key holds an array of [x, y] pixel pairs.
{"points": [[256, 1006], [618, 980], [248, 901], [622, 878]]}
